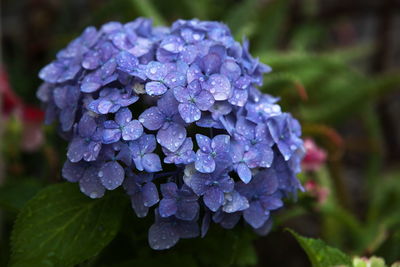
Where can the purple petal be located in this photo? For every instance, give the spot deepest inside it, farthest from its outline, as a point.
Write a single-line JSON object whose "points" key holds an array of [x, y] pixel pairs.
{"points": [[189, 112], [111, 136], [204, 162], [168, 104], [123, 116], [235, 202], [76, 149], [266, 153], [126, 61], [104, 106], [194, 73], [211, 63], [152, 118], [51, 72], [255, 215], [172, 137], [245, 128], [162, 236], [137, 205], [219, 86], [132, 130], [226, 183], [239, 97], [230, 69], [204, 100], [91, 60], [213, 198], [73, 172], [69, 74], [181, 94], [204, 143], [90, 184], [271, 203], [244, 172], [169, 190], [155, 88], [151, 162], [197, 182], [147, 143], [111, 175], [221, 143], [174, 79], [187, 210], [87, 126], [155, 71], [150, 194], [167, 207]]}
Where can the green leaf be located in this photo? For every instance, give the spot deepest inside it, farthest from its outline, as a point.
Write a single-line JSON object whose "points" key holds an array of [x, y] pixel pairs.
{"points": [[320, 254], [62, 227], [148, 9], [15, 193]]}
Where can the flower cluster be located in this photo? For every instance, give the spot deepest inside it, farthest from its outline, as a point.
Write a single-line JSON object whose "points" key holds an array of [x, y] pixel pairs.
{"points": [[174, 116]]}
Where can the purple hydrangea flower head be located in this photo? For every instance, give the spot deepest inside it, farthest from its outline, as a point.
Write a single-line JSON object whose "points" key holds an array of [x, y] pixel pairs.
{"points": [[174, 111]]}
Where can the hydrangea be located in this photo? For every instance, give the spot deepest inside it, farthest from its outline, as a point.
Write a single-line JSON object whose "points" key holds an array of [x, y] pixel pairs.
{"points": [[174, 116]]}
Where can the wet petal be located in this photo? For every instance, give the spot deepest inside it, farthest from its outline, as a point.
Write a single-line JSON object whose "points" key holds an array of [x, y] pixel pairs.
{"points": [[155, 71], [239, 97], [111, 136], [76, 149], [155, 88], [204, 100], [255, 215], [172, 137], [123, 116], [150, 194], [162, 236], [152, 118], [111, 175], [230, 69], [204, 162], [244, 172], [204, 143], [90, 184], [213, 198], [187, 210], [181, 94], [189, 112], [126, 61], [221, 143], [51, 72], [167, 207], [151, 162], [219, 86], [235, 202], [137, 205], [132, 130], [73, 172]]}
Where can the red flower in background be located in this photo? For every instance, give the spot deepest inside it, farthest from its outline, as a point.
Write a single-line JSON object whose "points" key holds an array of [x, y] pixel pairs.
{"points": [[32, 117], [315, 156]]}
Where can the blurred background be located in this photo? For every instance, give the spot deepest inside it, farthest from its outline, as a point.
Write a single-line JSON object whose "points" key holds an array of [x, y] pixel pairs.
{"points": [[336, 66]]}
